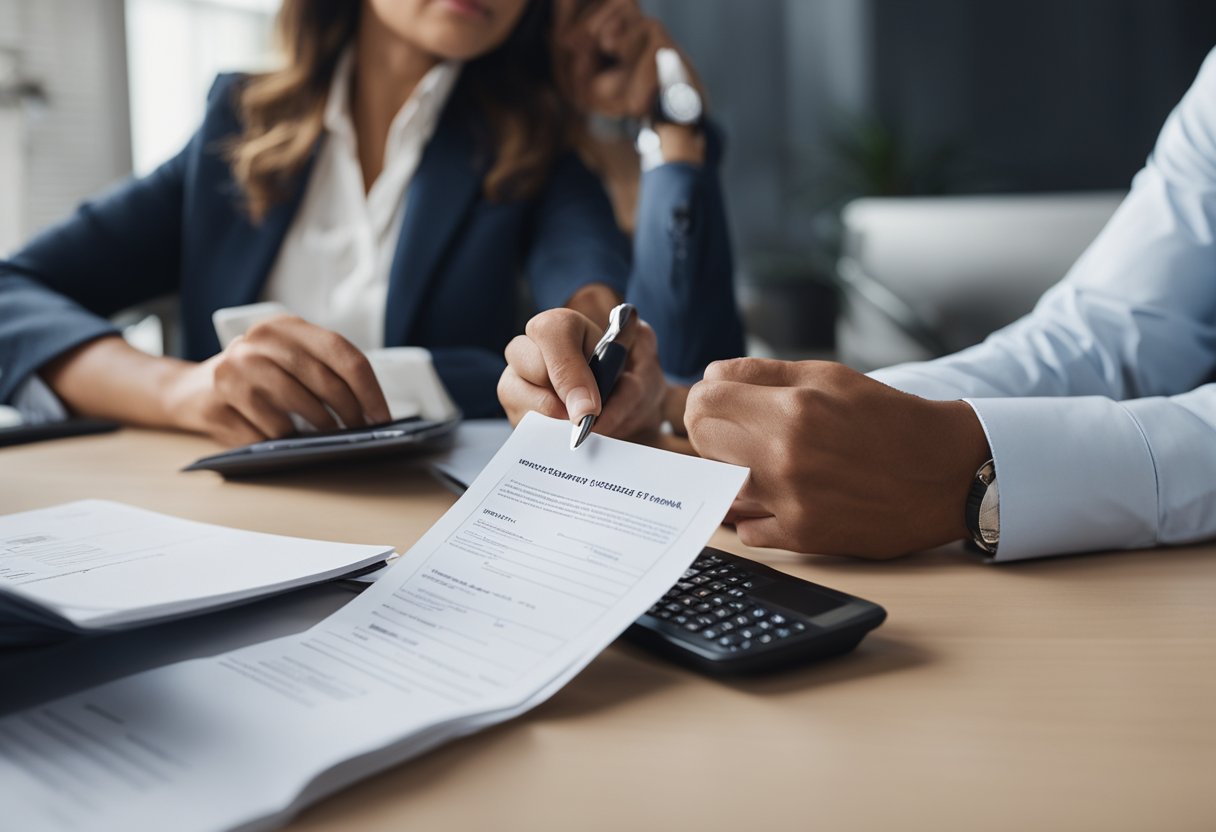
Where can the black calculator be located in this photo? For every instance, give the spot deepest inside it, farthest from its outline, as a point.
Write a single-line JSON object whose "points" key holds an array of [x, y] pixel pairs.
{"points": [[728, 614]]}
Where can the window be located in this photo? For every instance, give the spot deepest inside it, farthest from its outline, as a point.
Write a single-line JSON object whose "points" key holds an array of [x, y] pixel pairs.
{"points": [[175, 48]]}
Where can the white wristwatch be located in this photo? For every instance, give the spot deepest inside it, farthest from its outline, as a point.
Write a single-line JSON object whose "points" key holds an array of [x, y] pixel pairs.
{"points": [[678, 102]]}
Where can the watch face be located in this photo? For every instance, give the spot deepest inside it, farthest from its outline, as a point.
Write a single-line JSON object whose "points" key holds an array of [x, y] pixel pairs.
{"points": [[681, 103]]}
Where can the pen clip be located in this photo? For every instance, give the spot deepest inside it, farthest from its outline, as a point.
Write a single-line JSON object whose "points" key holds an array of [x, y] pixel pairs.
{"points": [[606, 362], [618, 319]]}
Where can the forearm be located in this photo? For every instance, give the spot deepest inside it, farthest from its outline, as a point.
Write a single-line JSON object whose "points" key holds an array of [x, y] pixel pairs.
{"points": [[108, 379]]}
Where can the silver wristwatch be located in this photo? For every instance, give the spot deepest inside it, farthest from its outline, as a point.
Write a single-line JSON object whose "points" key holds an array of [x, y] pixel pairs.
{"points": [[677, 102], [984, 509]]}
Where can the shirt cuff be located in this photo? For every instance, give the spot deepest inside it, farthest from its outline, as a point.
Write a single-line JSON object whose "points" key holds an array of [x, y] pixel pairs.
{"points": [[1075, 474], [36, 403]]}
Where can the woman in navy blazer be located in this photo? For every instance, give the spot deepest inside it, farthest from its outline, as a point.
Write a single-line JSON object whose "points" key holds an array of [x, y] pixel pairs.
{"points": [[454, 282]]}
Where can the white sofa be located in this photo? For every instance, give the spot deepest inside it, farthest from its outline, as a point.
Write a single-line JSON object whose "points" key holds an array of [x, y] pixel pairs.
{"points": [[925, 276]]}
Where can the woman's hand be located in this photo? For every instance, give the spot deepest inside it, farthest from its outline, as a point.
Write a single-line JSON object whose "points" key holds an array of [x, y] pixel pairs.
{"points": [[547, 372], [283, 365], [604, 62], [246, 393]]}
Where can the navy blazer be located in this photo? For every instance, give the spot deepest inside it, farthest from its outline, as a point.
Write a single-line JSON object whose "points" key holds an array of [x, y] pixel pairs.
{"points": [[454, 282]]}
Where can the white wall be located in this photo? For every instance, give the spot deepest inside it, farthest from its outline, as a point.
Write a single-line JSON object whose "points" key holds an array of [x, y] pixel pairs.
{"points": [[175, 50], [80, 142]]}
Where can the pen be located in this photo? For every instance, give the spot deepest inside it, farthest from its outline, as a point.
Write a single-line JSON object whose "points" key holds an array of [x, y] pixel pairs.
{"points": [[606, 363]]}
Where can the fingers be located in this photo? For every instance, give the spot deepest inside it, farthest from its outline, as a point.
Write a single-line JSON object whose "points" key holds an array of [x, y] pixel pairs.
{"points": [[636, 404], [324, 385], [286, 365], [565, 338], [606, 56], [767, 372], [265, 394], [231, 428], [336, 364], [721, 439], [764, 532], [519, 396]]}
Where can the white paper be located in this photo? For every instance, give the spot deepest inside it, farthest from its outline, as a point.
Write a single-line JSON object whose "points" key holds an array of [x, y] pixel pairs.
{"points": [[97, 564], [547, 557], [475, 443]]}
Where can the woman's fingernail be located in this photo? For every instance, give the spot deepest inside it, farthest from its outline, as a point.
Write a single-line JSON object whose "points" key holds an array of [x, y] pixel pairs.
{"points": [[579, 404]]}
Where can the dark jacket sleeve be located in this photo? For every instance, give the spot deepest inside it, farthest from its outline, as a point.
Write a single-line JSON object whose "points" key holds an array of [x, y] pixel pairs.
{"points": [[116, 250], [679, 273], [682, 279], [576, 240]]}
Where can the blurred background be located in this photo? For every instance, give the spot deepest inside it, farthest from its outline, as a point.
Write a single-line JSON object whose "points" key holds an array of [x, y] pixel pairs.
{"points": [[902, 176]]}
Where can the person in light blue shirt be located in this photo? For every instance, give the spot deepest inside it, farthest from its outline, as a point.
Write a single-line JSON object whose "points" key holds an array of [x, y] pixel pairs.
{"points": [[1097, 410]]}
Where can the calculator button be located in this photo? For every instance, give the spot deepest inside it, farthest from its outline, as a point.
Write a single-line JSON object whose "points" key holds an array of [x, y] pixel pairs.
{"points": [[683, 585], [710, 633], [742, 620], [733, 579], [699, 579], [747, 632], [717, 586], [703, 592], [672, 607], [744, 645], [777, 618], [726, 626], [679, 619], [703, 607], [765, 638], [747, 584], [694, 626], [735, 593], [759, 612], [717, 600], [730, 640], [798, 627], [783, 632], [663, 614], [764, 626], [705, 620]]}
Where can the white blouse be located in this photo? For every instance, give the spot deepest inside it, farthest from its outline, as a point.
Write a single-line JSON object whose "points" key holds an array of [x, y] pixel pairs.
{"points": [[333, 267]]}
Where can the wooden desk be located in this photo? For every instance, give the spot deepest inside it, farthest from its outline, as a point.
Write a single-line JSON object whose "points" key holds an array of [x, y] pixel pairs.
{"points": [[1077, 693]]}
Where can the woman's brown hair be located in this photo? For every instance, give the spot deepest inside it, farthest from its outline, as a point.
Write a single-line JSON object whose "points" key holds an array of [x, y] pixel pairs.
{"points": [[511, 89]]}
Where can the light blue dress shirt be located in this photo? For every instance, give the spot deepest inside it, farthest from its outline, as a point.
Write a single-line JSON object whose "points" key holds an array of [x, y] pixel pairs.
{"points": [[1100, 406]]}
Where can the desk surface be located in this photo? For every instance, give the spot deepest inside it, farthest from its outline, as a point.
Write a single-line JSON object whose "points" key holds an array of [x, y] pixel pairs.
{"points": [[1077, 693]]}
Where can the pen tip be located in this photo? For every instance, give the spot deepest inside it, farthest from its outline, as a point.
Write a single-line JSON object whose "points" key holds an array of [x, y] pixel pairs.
{"points": [[580, 431]]}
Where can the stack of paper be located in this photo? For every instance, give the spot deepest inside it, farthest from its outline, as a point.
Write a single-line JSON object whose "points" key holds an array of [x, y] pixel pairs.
{"points": [[97, 565], [546, 559]]}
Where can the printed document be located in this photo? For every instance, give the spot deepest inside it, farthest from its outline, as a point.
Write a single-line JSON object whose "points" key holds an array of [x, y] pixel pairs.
{"points": [[543, 562], [96, 564]]}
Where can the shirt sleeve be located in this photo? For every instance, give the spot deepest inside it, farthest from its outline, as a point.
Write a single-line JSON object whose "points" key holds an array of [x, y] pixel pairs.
{"points": [[1097, 405]]}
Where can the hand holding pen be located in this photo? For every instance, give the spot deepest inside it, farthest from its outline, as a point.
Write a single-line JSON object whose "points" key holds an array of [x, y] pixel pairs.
{"points": [[548, 370], [606, 363]]}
